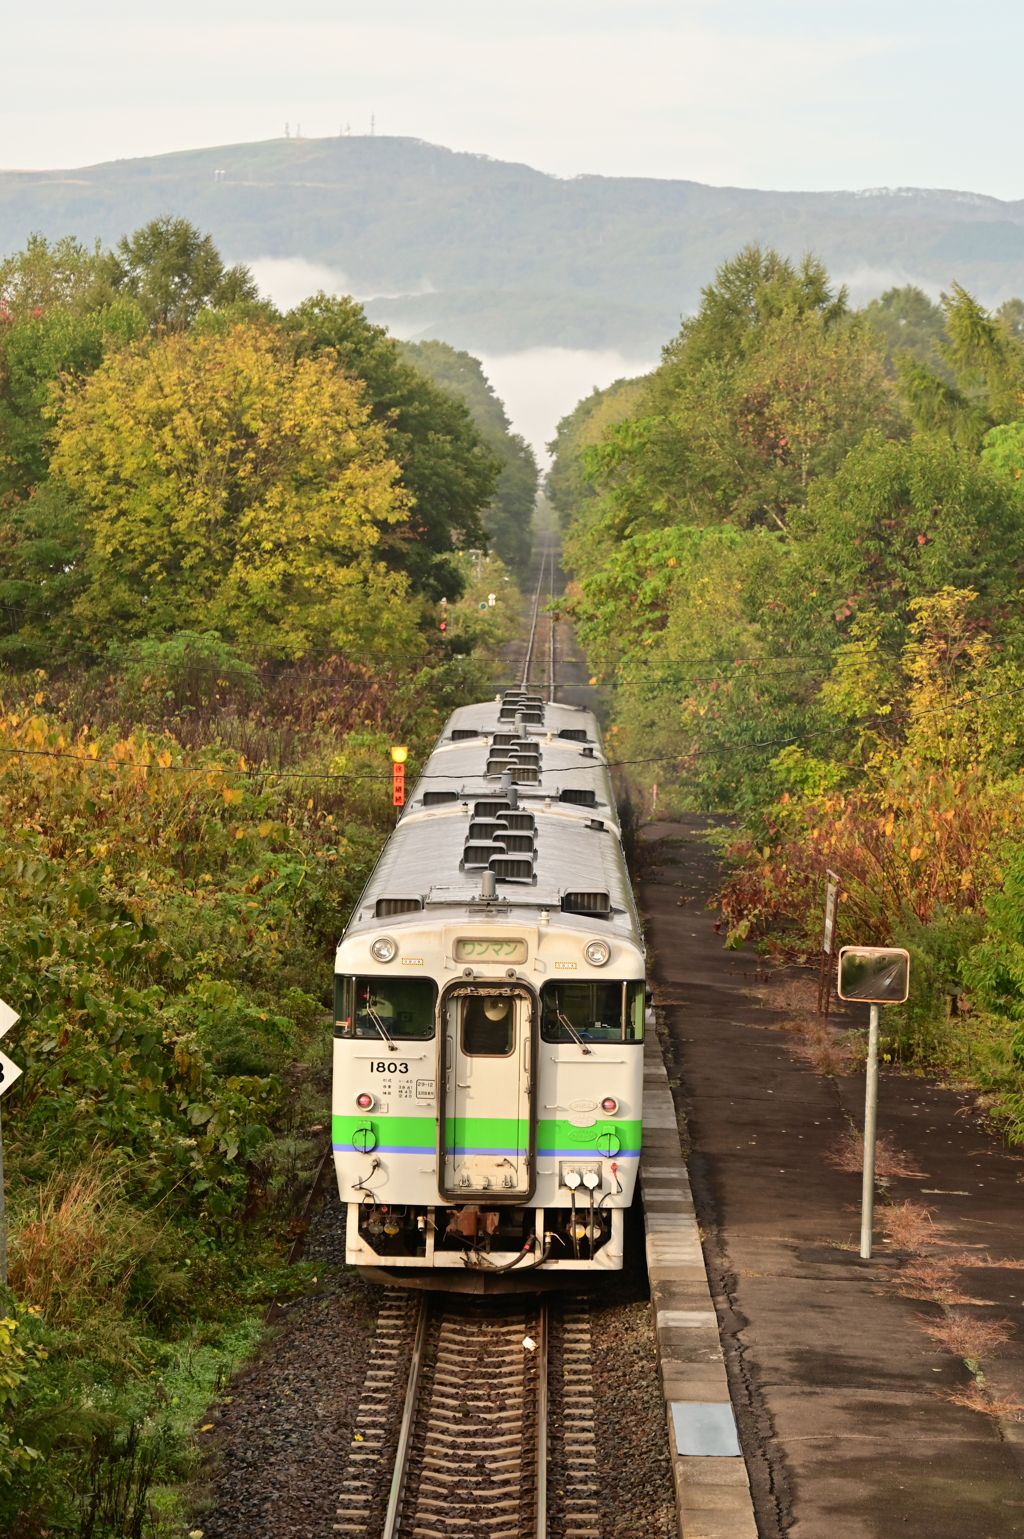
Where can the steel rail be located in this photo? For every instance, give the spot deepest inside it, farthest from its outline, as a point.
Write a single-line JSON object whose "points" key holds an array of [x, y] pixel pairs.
{"points": [[542, 1421], [551, 637], [418, 1400], [528, 663], [397, 1492]]}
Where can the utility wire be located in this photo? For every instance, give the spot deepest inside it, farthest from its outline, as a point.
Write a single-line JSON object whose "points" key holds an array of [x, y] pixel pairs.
{"points": [[106, 762]]}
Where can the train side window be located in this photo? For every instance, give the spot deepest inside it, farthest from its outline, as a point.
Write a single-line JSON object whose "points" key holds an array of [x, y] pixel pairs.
{"points": [[592, 1012], [399, 1008], [633, 1013]]}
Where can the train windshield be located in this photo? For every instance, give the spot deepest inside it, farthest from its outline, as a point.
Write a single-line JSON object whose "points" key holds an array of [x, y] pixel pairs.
{"points": [[593, 1012], [395, 1008]]}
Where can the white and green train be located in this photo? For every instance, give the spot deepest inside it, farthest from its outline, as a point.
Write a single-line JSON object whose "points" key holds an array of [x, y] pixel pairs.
{"points": [[489, 1015]]}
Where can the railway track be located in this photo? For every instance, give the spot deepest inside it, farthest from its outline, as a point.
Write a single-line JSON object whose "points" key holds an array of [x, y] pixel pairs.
{"points": [[468, 1453]]}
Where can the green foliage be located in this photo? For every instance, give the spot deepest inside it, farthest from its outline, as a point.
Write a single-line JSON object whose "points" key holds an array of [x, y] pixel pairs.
{"points": [[39, 350], [509, 518], [447, 467], [910, 325], [172, 271], [984, 357], [567, 483], [805, 578], [224, 483], [21, 1355], [765, 389], [188, 671]]}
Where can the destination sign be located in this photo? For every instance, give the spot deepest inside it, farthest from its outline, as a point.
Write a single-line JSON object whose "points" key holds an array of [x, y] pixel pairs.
{"points": [[480, 949]]}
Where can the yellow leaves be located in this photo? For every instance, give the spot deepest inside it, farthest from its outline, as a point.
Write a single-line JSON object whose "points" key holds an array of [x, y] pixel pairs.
{"points": [[164, 759], [266, 829], [916, 852], [231, 795], [239, 833], [225, 483]]}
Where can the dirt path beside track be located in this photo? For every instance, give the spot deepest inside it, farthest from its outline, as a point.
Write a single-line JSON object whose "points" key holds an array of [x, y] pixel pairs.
{"points": [[845, 1374]]}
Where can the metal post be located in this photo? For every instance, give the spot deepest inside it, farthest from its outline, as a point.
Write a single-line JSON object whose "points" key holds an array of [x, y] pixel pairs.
{"points": [[867, 1201]]}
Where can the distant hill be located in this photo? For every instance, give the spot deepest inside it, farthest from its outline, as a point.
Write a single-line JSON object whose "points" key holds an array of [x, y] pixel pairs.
{"points": [[496, 257]]}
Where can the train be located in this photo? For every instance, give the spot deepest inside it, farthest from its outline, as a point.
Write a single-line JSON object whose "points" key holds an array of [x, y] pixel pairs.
{"points": [[490, 1009]]}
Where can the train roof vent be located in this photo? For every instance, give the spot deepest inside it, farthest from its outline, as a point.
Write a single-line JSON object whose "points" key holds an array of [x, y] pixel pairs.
{"points": [[484, 828], [388, 906], [517, 844], [574, 734], [489, 809], [511, 868], [436, 798], [481, 852], [596, 904], [579, 798], [502, 739], [522, 822], [463, 734], [525, 774]]}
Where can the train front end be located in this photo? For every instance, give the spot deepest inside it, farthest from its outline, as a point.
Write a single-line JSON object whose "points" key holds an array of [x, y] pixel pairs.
{"points": [[489, 1017]]}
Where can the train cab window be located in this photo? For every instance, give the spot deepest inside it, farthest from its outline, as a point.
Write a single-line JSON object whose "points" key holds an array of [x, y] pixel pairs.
{"points": [[401, 1009], [488, 1025], [592, 1012]]}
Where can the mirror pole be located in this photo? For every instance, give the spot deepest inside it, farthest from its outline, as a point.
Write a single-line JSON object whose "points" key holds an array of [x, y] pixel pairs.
{"points": [[867, 1201]]}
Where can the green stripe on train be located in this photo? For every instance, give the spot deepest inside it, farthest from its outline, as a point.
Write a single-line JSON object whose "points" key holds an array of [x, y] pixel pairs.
{"points": [[415, 1134], [504, 1134]]}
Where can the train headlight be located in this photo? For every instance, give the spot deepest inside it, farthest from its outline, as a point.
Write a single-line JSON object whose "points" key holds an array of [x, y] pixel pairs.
{"points": [[609, 1105], [384, 949], [597, 952], [364, 1100]]}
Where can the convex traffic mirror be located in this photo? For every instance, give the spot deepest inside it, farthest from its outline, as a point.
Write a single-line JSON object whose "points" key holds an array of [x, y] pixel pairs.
{"points": [[875, 975]]}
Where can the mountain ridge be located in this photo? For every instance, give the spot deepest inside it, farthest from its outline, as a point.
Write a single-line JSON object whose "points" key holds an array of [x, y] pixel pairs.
{"points": [[495, 255]]}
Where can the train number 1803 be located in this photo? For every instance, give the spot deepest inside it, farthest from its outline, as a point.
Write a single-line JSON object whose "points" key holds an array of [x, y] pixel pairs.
{"points": [[380, 1067]]}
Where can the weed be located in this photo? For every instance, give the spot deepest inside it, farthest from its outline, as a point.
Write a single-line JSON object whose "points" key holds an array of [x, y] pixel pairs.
{"points": [[967, 1337], [977, 1399], [909, 1225], [825, 1050], [848, 1154], [81, 1247]]}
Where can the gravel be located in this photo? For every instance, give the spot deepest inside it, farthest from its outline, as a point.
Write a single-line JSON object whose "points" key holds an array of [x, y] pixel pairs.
{"points": [[279, 1449]]}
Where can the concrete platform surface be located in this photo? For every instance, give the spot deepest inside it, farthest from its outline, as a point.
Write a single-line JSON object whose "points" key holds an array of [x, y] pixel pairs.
{"points": [[842, 1397]]}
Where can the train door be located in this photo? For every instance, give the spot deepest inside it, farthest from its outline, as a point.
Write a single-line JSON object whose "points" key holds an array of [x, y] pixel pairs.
{"points": [[488, 1089]]}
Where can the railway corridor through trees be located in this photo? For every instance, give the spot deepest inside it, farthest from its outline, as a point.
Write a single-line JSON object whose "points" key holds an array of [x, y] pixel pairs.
{"points": [[855, 1383]]}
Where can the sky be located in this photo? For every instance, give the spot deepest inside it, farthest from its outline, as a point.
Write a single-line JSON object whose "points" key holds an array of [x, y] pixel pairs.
{"points": [[731, 92], [741, 92]]}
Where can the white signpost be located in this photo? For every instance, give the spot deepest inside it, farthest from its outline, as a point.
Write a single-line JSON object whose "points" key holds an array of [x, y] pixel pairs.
{"points": [[9, 1072], [877, 975]]}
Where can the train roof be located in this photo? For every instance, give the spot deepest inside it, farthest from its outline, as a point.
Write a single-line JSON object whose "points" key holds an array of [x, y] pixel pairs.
{"points": [[512, 766]]}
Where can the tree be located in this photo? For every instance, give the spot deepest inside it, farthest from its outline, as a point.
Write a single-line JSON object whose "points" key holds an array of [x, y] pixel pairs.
{"points": [[173, 271], [909, 323], [984, 357], [509, 518], [447, 467], [567, 483], [44, 275], [226, 485], [37, 349]]}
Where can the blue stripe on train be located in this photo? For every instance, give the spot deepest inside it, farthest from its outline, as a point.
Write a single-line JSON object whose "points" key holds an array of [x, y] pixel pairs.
{"points": [[583, 1152], [386, 1149]]}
